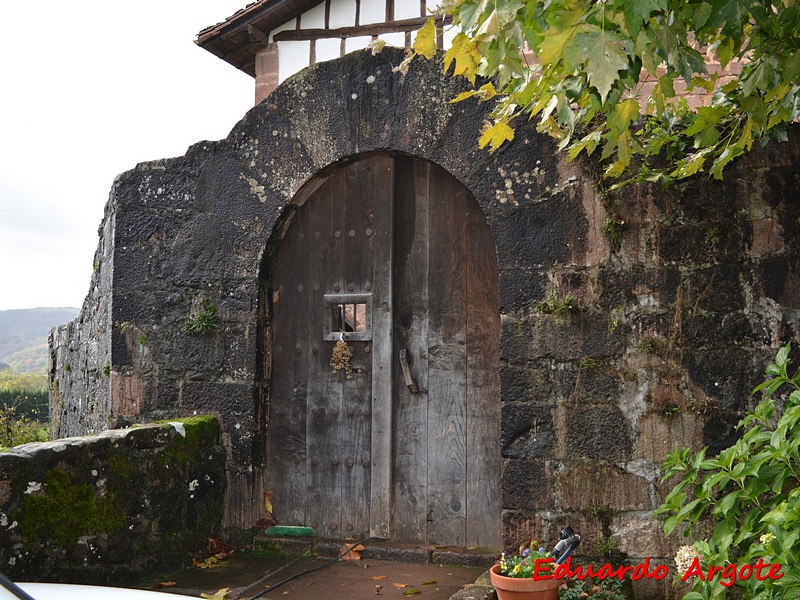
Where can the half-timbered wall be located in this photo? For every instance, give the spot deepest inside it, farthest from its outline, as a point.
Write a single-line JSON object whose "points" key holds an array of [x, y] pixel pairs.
{"points": [[334, 28]]}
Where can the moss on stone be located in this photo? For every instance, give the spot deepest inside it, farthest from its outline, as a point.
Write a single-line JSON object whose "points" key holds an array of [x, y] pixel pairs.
{"points": [[198, 433], [67, 511]]}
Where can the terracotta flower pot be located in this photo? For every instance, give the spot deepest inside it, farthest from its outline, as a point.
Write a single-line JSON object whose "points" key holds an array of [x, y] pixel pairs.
{"points": [[523, 588]]}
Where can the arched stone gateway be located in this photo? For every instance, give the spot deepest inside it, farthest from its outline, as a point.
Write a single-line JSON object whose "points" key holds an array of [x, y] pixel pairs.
{"points": [[628, 322], [392, 256]]}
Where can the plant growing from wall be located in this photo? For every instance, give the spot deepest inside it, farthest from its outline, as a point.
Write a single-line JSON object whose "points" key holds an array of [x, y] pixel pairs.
{"points": [[750, 494], [203, 320], [555, 306], [613, 228]]}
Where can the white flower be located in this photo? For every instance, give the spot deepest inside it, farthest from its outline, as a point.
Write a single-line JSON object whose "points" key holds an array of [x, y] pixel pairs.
{"points": [[766, 539], [684, 558]]}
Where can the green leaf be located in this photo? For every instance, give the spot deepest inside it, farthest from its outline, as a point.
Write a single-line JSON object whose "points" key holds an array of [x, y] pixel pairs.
{"points": [[605, 58], [761, 78], [725, 51], [637, 13], [729, 15], [727, 503], [552, 47]]}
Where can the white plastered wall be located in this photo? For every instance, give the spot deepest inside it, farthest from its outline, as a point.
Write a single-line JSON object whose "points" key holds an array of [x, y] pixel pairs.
{"points": [[294, 56]]}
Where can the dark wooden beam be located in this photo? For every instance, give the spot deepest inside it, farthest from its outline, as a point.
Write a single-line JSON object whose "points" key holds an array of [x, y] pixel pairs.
{"points": [[258, 35], [356, 31]]}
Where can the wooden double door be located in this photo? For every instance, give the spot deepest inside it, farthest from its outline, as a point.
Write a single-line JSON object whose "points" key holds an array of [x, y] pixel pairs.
{"points": [[393, 256]]}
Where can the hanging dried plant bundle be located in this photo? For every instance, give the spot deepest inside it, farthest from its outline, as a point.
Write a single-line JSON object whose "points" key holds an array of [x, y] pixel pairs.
{"points": [[340, 359]]}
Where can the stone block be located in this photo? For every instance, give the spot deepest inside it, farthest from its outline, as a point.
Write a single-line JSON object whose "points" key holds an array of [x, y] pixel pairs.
{"points": [[640, 534], [126, 395], [599, 433], [777, 278], [526, 484], [287, 546], [591, 484], [408, 553], [475, 592], [529, 382], [519, 288], [521, 526], [726, 374], [527, 430], [719, 288], [587, 382], [465, 557], [659, 434], [535, 236]]}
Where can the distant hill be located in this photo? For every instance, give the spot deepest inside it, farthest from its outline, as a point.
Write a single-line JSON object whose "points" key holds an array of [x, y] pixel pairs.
{"points": [[23, 336]]}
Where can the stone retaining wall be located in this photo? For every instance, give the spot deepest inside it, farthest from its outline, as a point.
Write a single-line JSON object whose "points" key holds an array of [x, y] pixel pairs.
{"points": [[109, 508]]}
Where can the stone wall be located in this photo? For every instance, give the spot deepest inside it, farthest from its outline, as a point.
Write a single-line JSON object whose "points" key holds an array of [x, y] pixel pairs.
{"points": [[109, 508], [631, 321]]}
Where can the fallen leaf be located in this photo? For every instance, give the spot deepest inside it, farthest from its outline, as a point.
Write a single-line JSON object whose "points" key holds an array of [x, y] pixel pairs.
{"points": [[353, 551], [429, 582], [268, 501], [347, 583], [164, 584], [210, 563], [400, 585], [377, 577], [411, 592], [220, 595], [217, 548]]}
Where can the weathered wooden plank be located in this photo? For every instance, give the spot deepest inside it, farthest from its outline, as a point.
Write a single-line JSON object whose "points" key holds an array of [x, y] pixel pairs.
{"points": [[484, 527], [326, 261], [356, 419], [286, 438], [411, 333], [446, 364], [381, 435]]}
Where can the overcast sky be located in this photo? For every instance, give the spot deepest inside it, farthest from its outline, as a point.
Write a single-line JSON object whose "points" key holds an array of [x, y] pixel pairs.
{"points": [[90, 88]]}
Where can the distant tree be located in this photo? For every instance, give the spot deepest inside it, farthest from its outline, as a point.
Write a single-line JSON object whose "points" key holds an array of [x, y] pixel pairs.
{"points": [[586, 86]]}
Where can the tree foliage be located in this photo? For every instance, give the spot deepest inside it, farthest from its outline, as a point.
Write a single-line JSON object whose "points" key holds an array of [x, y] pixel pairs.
{"points": [[606, 74], [750, 494]]}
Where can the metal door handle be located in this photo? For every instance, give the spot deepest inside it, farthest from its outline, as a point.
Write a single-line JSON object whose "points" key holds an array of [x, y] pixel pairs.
{"points": [[410, 381]]}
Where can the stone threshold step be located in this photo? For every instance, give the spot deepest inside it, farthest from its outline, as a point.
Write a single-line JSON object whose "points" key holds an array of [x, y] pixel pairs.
{"points": [[379, 550]]}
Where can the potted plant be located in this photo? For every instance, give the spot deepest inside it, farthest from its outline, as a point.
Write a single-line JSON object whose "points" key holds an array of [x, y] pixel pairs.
{"points": [[513, 577]]}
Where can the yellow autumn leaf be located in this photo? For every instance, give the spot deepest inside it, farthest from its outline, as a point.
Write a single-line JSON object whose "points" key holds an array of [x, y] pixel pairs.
{"points": [[425, 43], [465, 53], [219, 595], [353, 551], [496, 135], [463, 96], [487, 92]]}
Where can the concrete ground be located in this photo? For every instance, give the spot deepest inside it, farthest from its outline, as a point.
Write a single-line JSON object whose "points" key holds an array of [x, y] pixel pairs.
{"points": [[381, 572]]}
